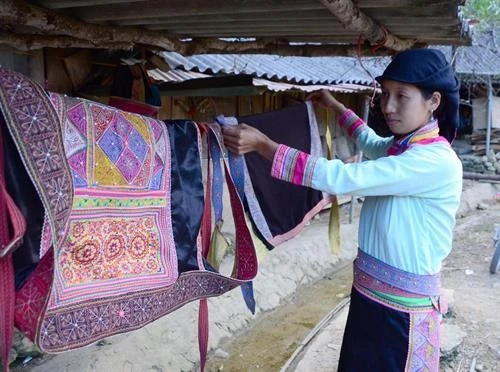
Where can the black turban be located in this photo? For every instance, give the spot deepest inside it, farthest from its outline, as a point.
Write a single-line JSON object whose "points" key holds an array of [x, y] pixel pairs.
{"points": [[429, 70]]}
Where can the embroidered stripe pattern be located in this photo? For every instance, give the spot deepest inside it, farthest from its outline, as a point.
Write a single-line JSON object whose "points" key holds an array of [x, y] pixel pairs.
{"points": [[426, 135], [31, 120], [352, 123], [293, 166], [423, 347], [420, 284]]}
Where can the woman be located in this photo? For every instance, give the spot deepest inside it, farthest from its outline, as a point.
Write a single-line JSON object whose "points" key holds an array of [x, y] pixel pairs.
{"points": [[412, 187]]}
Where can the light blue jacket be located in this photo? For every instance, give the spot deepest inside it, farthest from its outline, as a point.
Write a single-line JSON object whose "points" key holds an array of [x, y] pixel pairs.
{"points": [[411, 199]]}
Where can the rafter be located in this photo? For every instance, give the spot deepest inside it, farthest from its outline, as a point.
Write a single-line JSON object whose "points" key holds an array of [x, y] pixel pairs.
{"points": [[28, 42], [20, 12], [349, 15], [52, 29], [204, 46]]}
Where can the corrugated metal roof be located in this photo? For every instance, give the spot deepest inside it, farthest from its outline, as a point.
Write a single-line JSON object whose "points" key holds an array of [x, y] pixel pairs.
{"points": [[479, 60], [483, 57], [178, 76], [298, 70]]}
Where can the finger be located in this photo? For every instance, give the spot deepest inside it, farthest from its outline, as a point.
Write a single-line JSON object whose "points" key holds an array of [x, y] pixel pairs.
{"points": [[233, 141], [312, 97], [228, 130]]}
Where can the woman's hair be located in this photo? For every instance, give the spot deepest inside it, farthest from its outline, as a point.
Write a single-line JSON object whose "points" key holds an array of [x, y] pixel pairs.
{"points": [[427, 94]]}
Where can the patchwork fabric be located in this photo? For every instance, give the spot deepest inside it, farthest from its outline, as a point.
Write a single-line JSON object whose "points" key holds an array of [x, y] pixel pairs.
{"points": [[119, 235], [121, 194], [423, 351]]}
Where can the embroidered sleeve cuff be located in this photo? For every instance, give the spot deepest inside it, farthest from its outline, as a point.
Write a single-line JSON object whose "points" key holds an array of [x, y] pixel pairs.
{"points": [[293, 166], [352, 123]]}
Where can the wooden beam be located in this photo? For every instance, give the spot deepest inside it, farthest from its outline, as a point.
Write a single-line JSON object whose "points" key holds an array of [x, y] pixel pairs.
{"points": [[480, 176], [410, 24], [306, 28], [163, 16], [175, 8], [203, 46], [348, 14], [103, 11], [62, 4], [319, 15], [298, 20], [27, 42], [273, 46], [20, 12]]}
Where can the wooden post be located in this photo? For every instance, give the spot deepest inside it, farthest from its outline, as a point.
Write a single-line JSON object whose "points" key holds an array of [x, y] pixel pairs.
{"points": [[489, 119]]}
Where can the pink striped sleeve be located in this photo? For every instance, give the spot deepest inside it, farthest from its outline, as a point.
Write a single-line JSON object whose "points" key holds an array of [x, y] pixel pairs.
{"points": [[293, 166], [352, 123]]}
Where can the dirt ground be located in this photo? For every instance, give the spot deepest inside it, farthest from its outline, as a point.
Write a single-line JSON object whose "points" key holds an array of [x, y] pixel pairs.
{"points": [[474, 311], [476, 305]]}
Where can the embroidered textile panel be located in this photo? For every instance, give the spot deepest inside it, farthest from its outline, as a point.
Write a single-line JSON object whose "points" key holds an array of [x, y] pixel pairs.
{"points": [[119, 235], [116, 188]]}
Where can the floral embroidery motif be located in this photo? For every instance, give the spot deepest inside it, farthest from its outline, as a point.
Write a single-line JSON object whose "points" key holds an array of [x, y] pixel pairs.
{"points": [[107, 248]]}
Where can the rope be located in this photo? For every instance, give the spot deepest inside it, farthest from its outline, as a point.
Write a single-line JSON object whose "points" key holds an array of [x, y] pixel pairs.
{"points": [[372, 98]]}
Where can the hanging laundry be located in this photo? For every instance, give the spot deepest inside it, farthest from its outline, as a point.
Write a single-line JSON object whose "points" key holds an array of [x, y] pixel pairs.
{"points": [[122, 196], [279, 210]]}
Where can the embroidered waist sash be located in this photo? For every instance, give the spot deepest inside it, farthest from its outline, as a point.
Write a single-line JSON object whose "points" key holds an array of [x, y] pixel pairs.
{"points": [[394, 287]]}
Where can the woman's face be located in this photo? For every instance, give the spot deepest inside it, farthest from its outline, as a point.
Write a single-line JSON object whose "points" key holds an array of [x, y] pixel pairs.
{"points": [[404, 107]]}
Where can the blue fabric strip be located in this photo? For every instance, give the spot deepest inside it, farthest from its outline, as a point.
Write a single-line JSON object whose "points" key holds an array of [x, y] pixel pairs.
{"points": [[217, 180]]}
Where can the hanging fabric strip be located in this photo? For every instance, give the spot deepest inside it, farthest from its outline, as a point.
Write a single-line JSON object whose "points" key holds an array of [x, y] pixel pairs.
{"points": [[237, 167], [218, 243], [10, 216]]}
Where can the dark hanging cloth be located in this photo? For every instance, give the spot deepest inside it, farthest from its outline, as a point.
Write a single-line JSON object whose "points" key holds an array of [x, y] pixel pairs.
{"points": [[122, 95], [186, 197], [122, 82], [285, 206], [21, 189]]}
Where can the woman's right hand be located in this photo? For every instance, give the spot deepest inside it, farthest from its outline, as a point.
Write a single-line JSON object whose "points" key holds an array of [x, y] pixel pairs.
{"points": [[325, 99], [242, 138]]}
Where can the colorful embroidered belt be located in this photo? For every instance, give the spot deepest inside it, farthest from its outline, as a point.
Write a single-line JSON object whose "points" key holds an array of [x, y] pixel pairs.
{"points": [[396, 288]]}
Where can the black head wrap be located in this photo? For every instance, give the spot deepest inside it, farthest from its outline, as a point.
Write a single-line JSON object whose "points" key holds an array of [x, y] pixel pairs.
{"points": [[428, 69]]}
